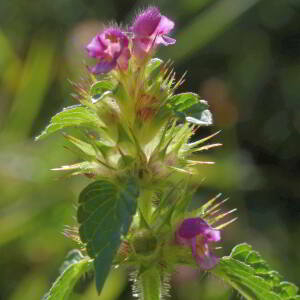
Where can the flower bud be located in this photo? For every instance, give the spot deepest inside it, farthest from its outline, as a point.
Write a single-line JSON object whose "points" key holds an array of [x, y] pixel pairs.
{"points": [[144, 243]]}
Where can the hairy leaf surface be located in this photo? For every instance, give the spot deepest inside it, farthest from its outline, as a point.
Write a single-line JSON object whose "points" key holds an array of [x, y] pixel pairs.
{"points": [[105, 213], [247, 271], [73, 269], [71, 117]]}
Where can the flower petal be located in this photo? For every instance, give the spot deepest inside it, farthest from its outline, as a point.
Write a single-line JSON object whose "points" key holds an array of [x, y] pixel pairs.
{"points": [[165, 25], [96, 47], [165, 40], [146, 23], [110, 46], [197, 234], [103, 67], [149, 29], [194, 247], [212, 235], [143, 44], [207, 261], [123, 59], [191, 227]]}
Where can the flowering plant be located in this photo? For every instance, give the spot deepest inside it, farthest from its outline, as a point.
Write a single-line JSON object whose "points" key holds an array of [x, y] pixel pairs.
{"points": [[134, 142]]}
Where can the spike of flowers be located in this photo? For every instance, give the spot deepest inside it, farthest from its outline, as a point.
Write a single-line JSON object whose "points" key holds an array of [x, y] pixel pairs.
{"points": [[134, 145]]}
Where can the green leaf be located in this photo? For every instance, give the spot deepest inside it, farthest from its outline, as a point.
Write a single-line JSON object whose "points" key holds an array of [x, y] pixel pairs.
{"points": [[99, 98], [247, 271], [242, 277], [153, 69], [100, 87], [190, 107], [120, 93], [240, 251], [86, 148], [183, 102], [153, 64], [71, 117], [73, 269], [105, 213], [287, 290]]}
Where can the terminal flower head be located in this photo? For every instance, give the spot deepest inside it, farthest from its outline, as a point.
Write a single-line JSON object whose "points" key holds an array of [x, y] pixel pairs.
{"points": [[110, 47], [150, 29], [197, 234]]}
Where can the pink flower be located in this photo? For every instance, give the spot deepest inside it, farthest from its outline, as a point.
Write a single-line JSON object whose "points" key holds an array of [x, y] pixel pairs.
{"points": [[197, 234], [111, 48], [150, 29]]}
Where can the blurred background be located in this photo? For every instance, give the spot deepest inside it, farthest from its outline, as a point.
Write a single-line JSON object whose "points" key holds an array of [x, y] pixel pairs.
{"points": [[242, 56]]}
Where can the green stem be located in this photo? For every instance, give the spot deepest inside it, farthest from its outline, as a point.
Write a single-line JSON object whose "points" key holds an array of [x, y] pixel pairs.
{"points": [[150, 284]]}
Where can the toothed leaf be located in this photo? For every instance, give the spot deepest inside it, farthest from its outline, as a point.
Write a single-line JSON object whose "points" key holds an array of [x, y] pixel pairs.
{"points": [[72, 116], [248, 272], [73, 269], [105, 213]]}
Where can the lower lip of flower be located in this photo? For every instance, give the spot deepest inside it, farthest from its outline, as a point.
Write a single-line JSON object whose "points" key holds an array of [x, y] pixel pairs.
{"points": [[112, 38], [201, 246]]}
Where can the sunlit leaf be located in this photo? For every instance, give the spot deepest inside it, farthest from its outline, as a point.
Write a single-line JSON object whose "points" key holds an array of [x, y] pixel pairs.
{"points": [[190, 107], [153, 68], [203, 119], [182, 102], [71, 117], [100, 87], [73, 269], [86, 148], [248, 272]]}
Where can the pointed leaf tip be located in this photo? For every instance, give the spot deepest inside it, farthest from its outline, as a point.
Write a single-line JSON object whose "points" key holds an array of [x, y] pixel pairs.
{"points": [[72, 116], [105, 213], [63, 286]]}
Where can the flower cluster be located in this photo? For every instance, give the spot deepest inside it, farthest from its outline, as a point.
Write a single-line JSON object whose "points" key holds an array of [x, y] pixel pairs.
{"points": [[111, 48], [114, 47]]}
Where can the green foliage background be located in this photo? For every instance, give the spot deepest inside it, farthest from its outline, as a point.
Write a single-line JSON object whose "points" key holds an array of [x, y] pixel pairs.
{"points": [[242, 56]]}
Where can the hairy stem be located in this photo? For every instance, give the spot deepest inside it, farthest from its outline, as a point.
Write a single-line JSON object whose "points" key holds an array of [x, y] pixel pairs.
{"points": [[150, 284]]}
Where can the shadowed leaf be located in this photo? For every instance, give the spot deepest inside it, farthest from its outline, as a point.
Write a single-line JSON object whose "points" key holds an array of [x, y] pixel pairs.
{"points": [[104, 214]]}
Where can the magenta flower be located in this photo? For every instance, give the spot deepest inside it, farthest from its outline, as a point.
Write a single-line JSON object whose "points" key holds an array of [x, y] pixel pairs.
{"points": [[197, 234], [150, 29], [111, 48]]}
